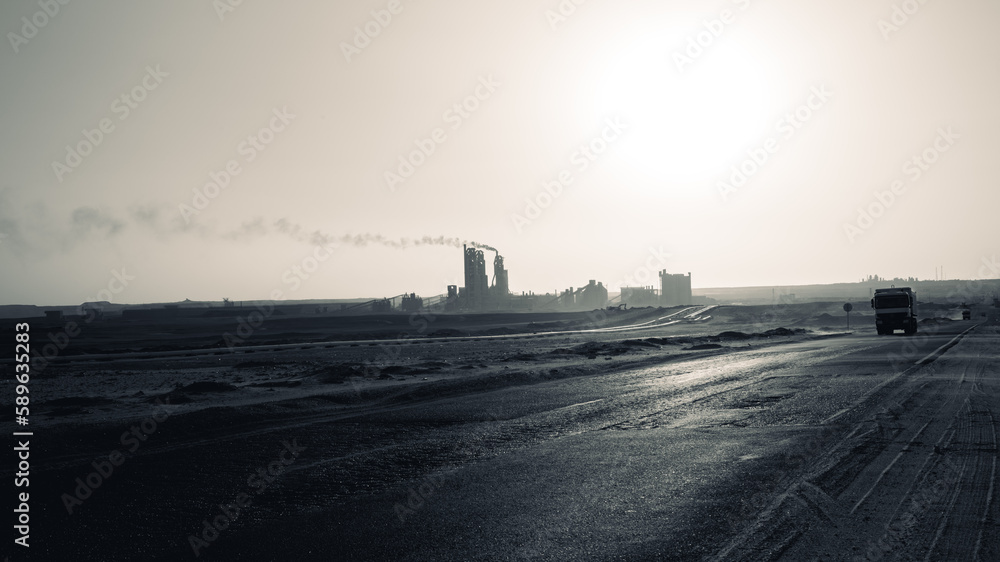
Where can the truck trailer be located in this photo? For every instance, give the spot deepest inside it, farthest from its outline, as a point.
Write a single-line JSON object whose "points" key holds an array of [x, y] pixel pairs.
{"points": [[895, 309]]}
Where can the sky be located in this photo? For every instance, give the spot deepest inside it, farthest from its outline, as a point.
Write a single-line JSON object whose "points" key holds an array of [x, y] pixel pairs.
{"points": [[155, 152]]}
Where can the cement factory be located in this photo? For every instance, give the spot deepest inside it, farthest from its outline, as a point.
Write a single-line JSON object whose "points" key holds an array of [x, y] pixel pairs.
{"points": [[481, 294]]}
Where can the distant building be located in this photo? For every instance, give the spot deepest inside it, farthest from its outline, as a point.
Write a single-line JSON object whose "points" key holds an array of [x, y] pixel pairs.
{"points": [[93, 310], [452, 302], [501, 287], [478, 293], [675, 289], [594, 295], [639, 296], [476, 281], [567, 298], [412, 303]]}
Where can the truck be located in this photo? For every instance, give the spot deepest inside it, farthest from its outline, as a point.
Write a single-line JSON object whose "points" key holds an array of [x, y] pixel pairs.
{"points": [[895, 309], [966, 311]]}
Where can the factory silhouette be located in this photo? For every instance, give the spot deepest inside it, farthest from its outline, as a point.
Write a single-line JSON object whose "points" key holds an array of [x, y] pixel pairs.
{"points": [[480, 294]]}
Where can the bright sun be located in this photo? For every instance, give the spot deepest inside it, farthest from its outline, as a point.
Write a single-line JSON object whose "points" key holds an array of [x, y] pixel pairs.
{"points": [[684, 126]]}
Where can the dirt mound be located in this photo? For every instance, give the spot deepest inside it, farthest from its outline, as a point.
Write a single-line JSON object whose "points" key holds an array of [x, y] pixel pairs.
{"points": [[521, 357], [784, 332], [79, 401], [663, 341], [434, 364], [340, 372], [203, 387], [183, 394], [278, 384], [703, 346], [639, 343], [593, 349], [734, 336]]}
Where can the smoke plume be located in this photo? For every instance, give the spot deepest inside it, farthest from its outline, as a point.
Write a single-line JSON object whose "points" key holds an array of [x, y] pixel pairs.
{"points": [[361, 240]]}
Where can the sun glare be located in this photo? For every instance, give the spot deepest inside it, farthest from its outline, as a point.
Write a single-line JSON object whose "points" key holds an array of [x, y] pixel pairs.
{"points": [[685, 125]]}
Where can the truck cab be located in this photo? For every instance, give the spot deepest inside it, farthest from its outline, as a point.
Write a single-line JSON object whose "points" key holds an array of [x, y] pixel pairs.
{"points": [[895, 309]]}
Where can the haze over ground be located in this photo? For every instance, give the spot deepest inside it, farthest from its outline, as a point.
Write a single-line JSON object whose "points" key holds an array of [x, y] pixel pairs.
{"points": [[887, 82]]}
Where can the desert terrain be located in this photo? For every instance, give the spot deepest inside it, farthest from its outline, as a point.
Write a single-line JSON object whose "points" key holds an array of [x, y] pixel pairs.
{"points": [[691, 433]]}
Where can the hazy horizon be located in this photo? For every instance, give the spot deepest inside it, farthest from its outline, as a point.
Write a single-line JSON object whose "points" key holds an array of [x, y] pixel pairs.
{"points": [[366, 159]]}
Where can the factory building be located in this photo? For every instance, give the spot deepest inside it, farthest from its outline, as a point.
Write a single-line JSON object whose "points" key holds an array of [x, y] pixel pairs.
{"points": [[476, 289], [639, 296], [594, 295], [567, 299], [451, 301], [501, 288], [478, 293], [411, 303], [675, 289]]}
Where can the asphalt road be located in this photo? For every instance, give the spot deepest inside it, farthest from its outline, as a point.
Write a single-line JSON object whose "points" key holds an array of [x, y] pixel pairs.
{"points": [[836, 448]]}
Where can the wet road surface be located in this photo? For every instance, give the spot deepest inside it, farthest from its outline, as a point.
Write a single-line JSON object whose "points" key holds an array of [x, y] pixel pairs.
{"points": [[829, 448]]}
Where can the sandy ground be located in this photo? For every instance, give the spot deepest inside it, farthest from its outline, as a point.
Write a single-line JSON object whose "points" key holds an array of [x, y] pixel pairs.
{"points": [[219, 410], [80, 390]]}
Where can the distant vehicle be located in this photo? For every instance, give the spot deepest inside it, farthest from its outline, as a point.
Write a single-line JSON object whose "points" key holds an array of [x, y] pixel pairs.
{"points": [[895, 309], [966, 314]]}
